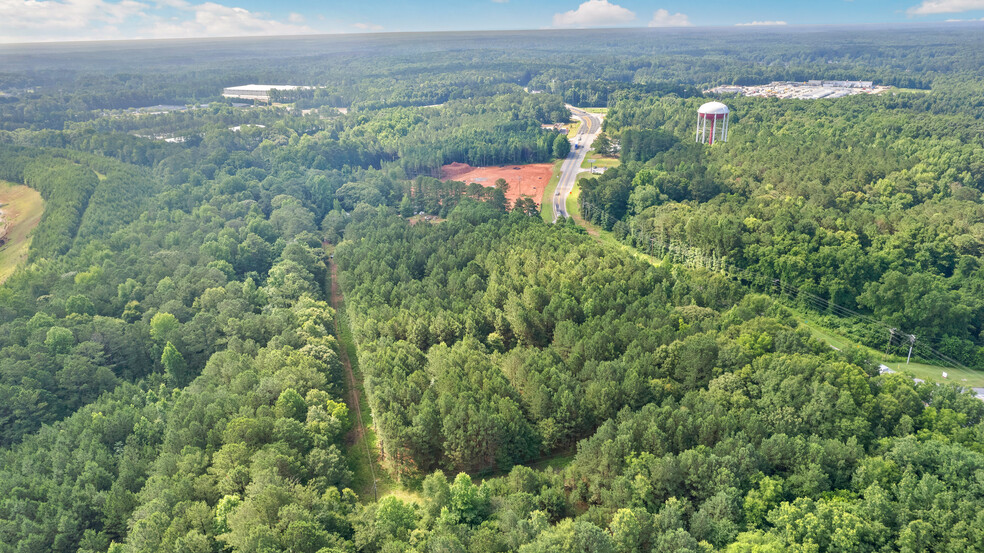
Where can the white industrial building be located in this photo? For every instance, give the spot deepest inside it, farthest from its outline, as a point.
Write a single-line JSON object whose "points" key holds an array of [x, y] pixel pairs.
{"points": [[258, 92]]}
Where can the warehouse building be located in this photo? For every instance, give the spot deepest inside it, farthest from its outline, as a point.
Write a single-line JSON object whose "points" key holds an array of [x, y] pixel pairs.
{"points": [[257, 92]]}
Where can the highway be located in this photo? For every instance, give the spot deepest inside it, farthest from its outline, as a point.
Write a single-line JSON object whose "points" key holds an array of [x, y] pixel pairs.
{"points": [[590, 129]]}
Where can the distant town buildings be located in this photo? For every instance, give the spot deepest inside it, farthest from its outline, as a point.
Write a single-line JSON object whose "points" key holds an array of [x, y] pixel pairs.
{"points": [[841, 84], [809, 90], [257, 92]]}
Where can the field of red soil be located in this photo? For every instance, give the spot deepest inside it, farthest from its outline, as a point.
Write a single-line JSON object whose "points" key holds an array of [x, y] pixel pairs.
{"points": [[524, 180]]}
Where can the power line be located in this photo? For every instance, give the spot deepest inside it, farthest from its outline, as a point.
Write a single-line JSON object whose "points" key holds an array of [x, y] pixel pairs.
{"points": [[821, 304]]}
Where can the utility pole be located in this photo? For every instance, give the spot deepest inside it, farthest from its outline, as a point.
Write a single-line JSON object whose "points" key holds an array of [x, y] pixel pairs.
{"points": [[912, 342], [891, 336]]}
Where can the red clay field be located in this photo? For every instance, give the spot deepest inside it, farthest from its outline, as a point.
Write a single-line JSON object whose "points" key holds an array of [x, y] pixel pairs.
{"points": [[524, 180]]}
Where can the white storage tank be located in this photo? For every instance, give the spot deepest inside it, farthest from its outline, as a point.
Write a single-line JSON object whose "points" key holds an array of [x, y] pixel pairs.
{"points": [[712, 123]]}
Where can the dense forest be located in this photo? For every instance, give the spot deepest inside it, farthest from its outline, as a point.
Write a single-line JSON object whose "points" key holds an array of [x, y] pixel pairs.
{"points": [[176, 373], [522, 344]]}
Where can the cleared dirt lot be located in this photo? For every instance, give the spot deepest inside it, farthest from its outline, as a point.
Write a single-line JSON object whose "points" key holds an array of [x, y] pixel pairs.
{"points": [[22, 208], [524, 180]]}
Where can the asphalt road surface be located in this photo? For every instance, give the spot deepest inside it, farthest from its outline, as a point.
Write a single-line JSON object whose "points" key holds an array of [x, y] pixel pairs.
{"points": [[580, 144]]}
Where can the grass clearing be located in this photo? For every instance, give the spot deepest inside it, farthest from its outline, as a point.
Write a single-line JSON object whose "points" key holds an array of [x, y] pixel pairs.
{"points": [[546, 201], [556, 462], [363, 461], [923, 371], [23, 207], [599, 111], [404, 495], [834, 340], [360, 459], [599, 161], [933, 373], [573, 129], [573, 209], [909, 90]]}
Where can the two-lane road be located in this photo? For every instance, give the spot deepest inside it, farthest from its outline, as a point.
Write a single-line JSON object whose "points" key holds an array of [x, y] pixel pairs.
{"points": [[590, 129]]}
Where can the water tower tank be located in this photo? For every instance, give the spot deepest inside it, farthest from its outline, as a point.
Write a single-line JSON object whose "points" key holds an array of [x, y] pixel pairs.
{"points": [[712, 123]]}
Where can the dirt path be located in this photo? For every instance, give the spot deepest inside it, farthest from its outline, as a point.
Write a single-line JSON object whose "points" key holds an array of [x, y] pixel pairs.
{"points": [[358, 432]]}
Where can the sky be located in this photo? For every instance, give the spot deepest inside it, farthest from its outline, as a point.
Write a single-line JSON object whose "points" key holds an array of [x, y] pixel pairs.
{"points": [[66, 20]]}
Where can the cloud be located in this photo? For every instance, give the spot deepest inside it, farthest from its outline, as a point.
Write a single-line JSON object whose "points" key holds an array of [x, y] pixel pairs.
{"points": [[594, 13], [62, 20], [760, 24], [663, 18], [367, 26], [216, 20], [17, 15], [501, 1], [930, 7]]}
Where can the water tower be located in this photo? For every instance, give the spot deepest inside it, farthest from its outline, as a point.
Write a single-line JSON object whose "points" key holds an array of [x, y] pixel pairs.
{"points": [[713, 117]]}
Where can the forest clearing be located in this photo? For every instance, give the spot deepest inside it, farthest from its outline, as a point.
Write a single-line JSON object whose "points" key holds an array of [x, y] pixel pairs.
{"points": [[524, 180], [22, 208]]}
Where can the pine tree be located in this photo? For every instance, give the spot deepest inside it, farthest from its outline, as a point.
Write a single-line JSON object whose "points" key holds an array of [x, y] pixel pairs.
{"points": [[175, 367]]}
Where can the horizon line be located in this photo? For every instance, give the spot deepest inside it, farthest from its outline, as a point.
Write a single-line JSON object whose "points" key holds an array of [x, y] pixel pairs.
{"points": [[691, 28]]}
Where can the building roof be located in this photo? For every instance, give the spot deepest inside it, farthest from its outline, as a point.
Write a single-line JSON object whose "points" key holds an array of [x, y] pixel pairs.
{"points": [[264, 87], [713, 108]]}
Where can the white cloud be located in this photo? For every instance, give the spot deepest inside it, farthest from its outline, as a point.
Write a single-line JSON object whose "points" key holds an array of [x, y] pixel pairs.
{"points": [[663, 18], [61, 20], [501, 1], [20, 15], [594, 13], [181, 4], [214, 20], [929, 7], [367, 26], [761, 24]]}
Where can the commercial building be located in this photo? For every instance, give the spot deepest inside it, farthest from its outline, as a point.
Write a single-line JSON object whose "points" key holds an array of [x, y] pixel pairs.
{"points": [[257, 92]]}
